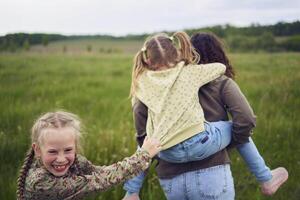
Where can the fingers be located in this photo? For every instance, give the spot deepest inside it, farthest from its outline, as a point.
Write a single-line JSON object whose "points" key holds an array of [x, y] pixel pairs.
{"points": [[157, 144], [159, 147], [154, 142]]}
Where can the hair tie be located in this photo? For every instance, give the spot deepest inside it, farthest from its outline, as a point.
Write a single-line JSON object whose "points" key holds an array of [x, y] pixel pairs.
{"points": [[171, 38], [143, 49]]}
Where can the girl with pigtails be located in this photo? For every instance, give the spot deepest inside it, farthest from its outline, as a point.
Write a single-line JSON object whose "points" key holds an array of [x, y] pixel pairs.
{"points": [[53, 168], [166, 79]]}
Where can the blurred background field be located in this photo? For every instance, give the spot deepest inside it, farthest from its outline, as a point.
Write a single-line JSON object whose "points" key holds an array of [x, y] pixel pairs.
{"points": [[92, 79]]}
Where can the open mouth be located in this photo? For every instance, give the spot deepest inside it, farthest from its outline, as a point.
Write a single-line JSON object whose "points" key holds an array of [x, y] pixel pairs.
{"points": [[60, 168]]}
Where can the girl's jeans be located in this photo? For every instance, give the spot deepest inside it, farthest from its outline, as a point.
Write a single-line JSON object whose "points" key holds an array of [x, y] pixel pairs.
{"points": [[217, 136]]}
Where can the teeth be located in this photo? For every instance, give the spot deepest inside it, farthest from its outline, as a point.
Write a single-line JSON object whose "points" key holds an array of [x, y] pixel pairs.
{"points": [[60, 167]]}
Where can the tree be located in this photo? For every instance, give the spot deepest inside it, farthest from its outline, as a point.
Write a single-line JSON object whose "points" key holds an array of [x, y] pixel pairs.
{"points": [[12, 47], [266, 41], [45, 40], [26, 45], [292, 43]]}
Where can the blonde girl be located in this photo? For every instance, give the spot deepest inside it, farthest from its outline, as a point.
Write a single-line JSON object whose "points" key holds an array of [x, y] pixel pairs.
{"points": [[166, 79], [54, 169]]}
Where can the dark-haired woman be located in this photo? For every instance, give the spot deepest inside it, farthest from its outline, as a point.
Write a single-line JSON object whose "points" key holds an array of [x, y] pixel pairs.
{"points": [[211, 178]]}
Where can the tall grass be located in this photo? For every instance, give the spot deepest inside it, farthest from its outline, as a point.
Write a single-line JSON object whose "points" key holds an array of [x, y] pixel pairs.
{"points": [[96, 87]]}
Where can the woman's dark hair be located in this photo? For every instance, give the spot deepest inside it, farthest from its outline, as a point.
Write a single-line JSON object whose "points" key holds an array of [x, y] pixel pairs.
{"points": [[211, 49]]}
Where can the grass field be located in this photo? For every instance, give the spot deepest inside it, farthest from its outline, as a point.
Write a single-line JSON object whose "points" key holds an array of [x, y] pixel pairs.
{"points": [[80, 46], [95, 86]]}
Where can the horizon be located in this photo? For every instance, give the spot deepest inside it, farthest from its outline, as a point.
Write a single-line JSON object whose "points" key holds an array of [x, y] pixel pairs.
{"points": [[121, 18], [136, 34]]}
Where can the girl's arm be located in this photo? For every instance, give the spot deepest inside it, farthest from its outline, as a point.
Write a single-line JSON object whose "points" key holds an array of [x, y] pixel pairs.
{"points": [[42, 185], [204, 73]]}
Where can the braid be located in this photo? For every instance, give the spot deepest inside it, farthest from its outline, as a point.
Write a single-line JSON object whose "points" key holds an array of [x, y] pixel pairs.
{"points": [[23, 173]]}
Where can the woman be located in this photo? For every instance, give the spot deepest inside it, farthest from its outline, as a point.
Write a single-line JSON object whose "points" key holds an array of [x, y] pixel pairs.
{"points": [[209, 178]]}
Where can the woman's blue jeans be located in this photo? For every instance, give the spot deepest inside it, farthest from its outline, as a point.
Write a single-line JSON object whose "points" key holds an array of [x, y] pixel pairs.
{"points": [[214, 183], [217, 136]]}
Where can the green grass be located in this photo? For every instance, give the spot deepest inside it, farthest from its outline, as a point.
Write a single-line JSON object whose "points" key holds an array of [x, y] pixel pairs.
{"points": [[80, 46], [96, 86]]}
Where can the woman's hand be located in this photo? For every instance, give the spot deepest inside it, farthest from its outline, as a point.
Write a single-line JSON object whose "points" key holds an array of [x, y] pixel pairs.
{"points": [[152, 145]]}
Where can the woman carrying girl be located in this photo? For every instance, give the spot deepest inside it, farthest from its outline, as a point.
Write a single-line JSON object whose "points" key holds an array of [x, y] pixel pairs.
{"points": [[167, 81], [54, 169]]}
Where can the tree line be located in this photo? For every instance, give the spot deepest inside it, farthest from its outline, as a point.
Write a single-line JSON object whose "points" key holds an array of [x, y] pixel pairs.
{"points": [[278, 37], [281, 36]]}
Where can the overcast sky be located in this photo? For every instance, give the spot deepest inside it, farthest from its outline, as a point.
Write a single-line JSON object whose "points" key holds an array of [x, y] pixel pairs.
{"points": [[121, 17]]}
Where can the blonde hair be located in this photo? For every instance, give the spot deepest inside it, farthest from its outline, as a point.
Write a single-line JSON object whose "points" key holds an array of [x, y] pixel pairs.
{"points": [[58, 119], [161, 50]]}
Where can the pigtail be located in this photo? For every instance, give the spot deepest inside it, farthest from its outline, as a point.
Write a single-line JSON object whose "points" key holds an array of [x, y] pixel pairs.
{"points": [[23, 173], [139, 67], [188, 53]]}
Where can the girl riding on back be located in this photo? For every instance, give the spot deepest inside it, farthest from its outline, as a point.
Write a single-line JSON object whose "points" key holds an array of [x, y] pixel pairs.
{"points": [[166, 79]]}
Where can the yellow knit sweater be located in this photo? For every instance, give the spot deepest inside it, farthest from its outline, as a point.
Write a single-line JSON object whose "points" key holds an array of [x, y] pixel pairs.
{"points": [[171, 95]]}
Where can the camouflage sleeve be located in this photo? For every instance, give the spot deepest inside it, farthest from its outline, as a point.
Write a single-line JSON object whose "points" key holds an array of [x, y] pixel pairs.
{"points": [[83, 165], [41, 185]]}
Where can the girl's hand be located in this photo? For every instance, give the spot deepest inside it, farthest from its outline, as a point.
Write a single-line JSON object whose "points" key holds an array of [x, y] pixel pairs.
{"points": [[152, 145]]}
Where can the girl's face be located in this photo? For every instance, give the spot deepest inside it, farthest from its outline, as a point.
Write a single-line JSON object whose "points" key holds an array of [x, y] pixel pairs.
{"points": [[57, 150]]}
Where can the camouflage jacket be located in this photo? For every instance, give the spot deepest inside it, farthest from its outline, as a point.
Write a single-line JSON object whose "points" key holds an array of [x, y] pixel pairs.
{"points": [[83, 178]]}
